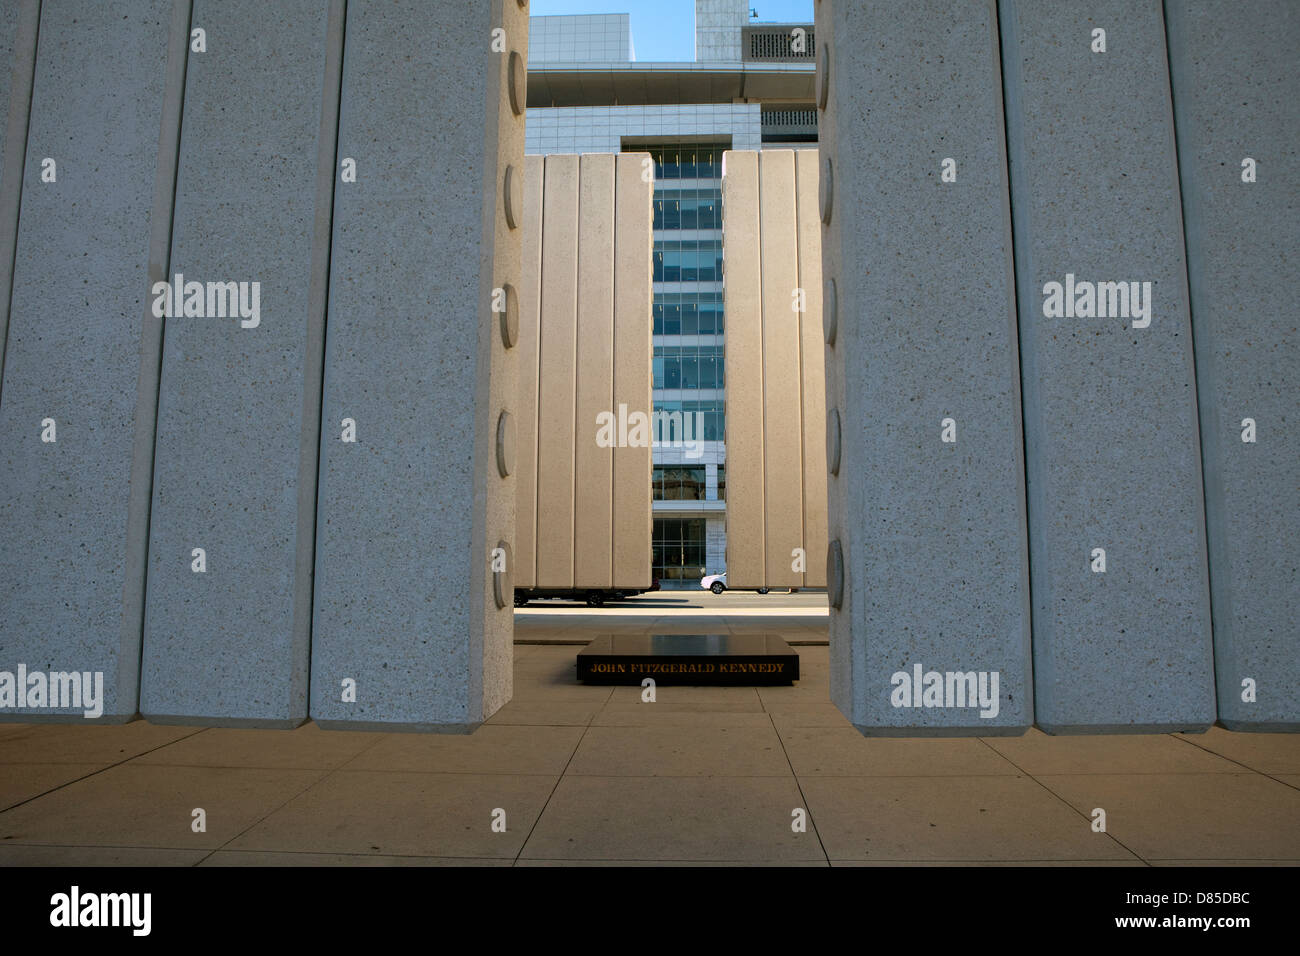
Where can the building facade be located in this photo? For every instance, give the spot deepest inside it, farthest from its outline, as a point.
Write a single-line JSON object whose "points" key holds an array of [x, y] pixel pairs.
{"points": [[749, 86]]}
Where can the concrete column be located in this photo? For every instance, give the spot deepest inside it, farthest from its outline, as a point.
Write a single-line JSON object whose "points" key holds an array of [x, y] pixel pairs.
{"points": [[1113, 457], [593, 465], [408, 610], [81, 359], [746, 565], [782, 462], [927, 569], [529, 375], [557, 349], [239, 407], [812, 370], [633, 326], [1236, 86]]}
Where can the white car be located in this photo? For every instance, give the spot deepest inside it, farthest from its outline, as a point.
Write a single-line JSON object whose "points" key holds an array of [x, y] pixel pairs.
{"points": [[717, 583]]}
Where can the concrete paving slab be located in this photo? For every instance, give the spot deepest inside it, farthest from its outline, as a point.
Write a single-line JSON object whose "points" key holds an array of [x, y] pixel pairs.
{"points": [[1206, 816], [668, 752], [490, 749], [22, 783], [74, 743], [429, 814], [842, 751], [739, 819], [151, 807], [306, 748], [967, 818], [1038, 753], [1267, 753]]}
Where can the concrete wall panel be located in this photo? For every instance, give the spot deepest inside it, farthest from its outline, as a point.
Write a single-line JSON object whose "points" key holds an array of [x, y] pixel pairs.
{"points": [[1236, 93], [82, 349], [812, 374], [529, 329], [593, 515], [782, 429], [558, 363], [239, 403], [1113, 457], [741, 268], [931, 532], [633, 325], [409, 514]]}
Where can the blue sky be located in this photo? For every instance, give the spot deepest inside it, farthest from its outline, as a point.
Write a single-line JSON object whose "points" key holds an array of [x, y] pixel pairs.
{"points": [[664, 30]]}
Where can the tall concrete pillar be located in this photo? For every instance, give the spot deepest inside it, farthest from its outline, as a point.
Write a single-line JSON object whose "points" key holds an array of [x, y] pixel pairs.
{"points": [[228, 614], [412, 626], [927, 563], [1236, 94], [1117, 540], [77, 409]]}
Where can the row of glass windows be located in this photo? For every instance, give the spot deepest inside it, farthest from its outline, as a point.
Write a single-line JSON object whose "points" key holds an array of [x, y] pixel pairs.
{"points": [[686, 484], [688, 208], [679, 549], [688, 366], [703, 161], [713, 420], [688, 260], [688, 313]]}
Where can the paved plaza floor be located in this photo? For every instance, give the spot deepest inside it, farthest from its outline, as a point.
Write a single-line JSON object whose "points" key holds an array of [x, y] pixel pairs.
{"points": [[592, 775]]}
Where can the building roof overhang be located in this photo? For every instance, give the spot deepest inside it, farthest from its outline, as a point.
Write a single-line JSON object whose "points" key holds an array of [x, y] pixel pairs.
{"points": [[661, 84]]}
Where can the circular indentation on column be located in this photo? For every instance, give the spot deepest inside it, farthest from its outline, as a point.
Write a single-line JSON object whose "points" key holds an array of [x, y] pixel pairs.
{"points": [[517, 81], [502, 581], [505, 444], [514, 197], [826, 189], [523, 4], [830, 310], [510, 317], [833, 440], [835, 574], [823, 76]]}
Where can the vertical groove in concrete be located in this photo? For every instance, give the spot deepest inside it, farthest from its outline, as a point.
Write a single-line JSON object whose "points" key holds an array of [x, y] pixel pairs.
{"points": [[1112, 450], [327, 173], [74, 518], [1236, 95], [19, 32], [935, 602]]}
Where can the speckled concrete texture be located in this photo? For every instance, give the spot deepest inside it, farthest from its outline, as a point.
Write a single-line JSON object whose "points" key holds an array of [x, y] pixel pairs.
{"points": [[409, 513], [77, 349], [932, 532], [1112, 449], [231, 644], [1236, 86]]}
